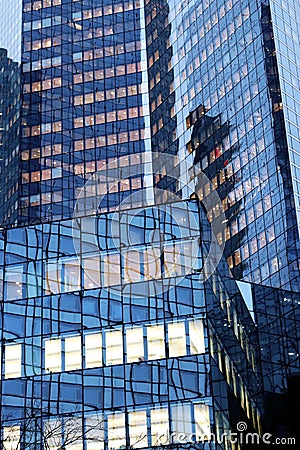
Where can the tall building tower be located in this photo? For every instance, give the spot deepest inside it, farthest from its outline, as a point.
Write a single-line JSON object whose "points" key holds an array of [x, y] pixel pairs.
{"points": [[153, 136]]}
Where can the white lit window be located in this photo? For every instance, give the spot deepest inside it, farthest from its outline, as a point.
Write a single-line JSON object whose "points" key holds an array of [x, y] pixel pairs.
{"points": [[116, 431], [114, 347], [181, 422], [134, 344], [13, 361], [93, 350], [73, 353], [91, 274], [132, 268], [73, 434], [202, 421], [138, 429], [14, 281], [156, 342], [53, 355], [71, 275], [196, 333], [159, 426], [94, 433], [53, 278], [52, 433], [11, 438], [177, 340]]}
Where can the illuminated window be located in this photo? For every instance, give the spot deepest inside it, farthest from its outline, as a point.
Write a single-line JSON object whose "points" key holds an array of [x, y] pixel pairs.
{"points": [[11, 438], [73, 353], [134, 344], [13, 361], [181, 422], [159, 426], [14, 282], [53, 278], [93, 350], [53, 355], [94, 433], [138, 429], [132, 268], [202, 421], [114, 347], [91, 273], [196, 334], [116, 431], [177, 340], [71, 275], [53, 432], [111, 269], [156, 342]]}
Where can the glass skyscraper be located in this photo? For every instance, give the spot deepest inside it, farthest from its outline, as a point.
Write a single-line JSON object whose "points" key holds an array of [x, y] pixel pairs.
{"points": [[149, 241]]}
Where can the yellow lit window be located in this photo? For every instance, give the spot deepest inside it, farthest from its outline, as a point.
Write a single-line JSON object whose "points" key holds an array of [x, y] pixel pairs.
{"points": [[138, 429], [196, 333], [159, 426], [73, 353], [53, 355], [111, 269], [13, 361], [202, 421], [177, 339], [114, 347], [93, 350], [156, 342], [134, 344], [116, 431], [181, 422]]}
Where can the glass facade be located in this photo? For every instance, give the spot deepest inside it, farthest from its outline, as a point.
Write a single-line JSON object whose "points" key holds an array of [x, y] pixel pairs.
{"points": [[141, 140]]}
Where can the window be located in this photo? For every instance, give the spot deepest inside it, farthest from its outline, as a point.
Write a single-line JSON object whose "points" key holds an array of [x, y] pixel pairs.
{"points": [[159, 426], [196, 334], [111, 269], [53, 355], [13, 361], [176, 338], [14, 280], [73, 353], [138, 429], [11, 438], [156, 342], [202, 422], [116, 431], [93, 350], [94, 429], [181, 422], [72, 434], [114, 347], [134, 344]]}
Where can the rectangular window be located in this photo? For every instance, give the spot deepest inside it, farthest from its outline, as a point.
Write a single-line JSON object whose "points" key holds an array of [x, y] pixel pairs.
{"points": [[111, 269], [156, 342], [116, 431], [93, 350], [159, 426], [181, 422], [134, 344], [94, 433], [13, 361], [196, 332], [202, 421], [53, 355], [114, 347], [11, 438], [138, 429], [177, 339], [53, 434], [73, 353]]}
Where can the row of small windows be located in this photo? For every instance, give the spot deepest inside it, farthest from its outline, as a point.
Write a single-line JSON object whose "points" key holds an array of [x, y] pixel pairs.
{"points": [[159, 426], [111, 269], [111, 116], [88, 13], [112, 347]]}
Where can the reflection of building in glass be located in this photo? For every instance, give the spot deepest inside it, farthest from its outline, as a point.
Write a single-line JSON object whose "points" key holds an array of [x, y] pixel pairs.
{"points": [[9, 137], [112, 336]]}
